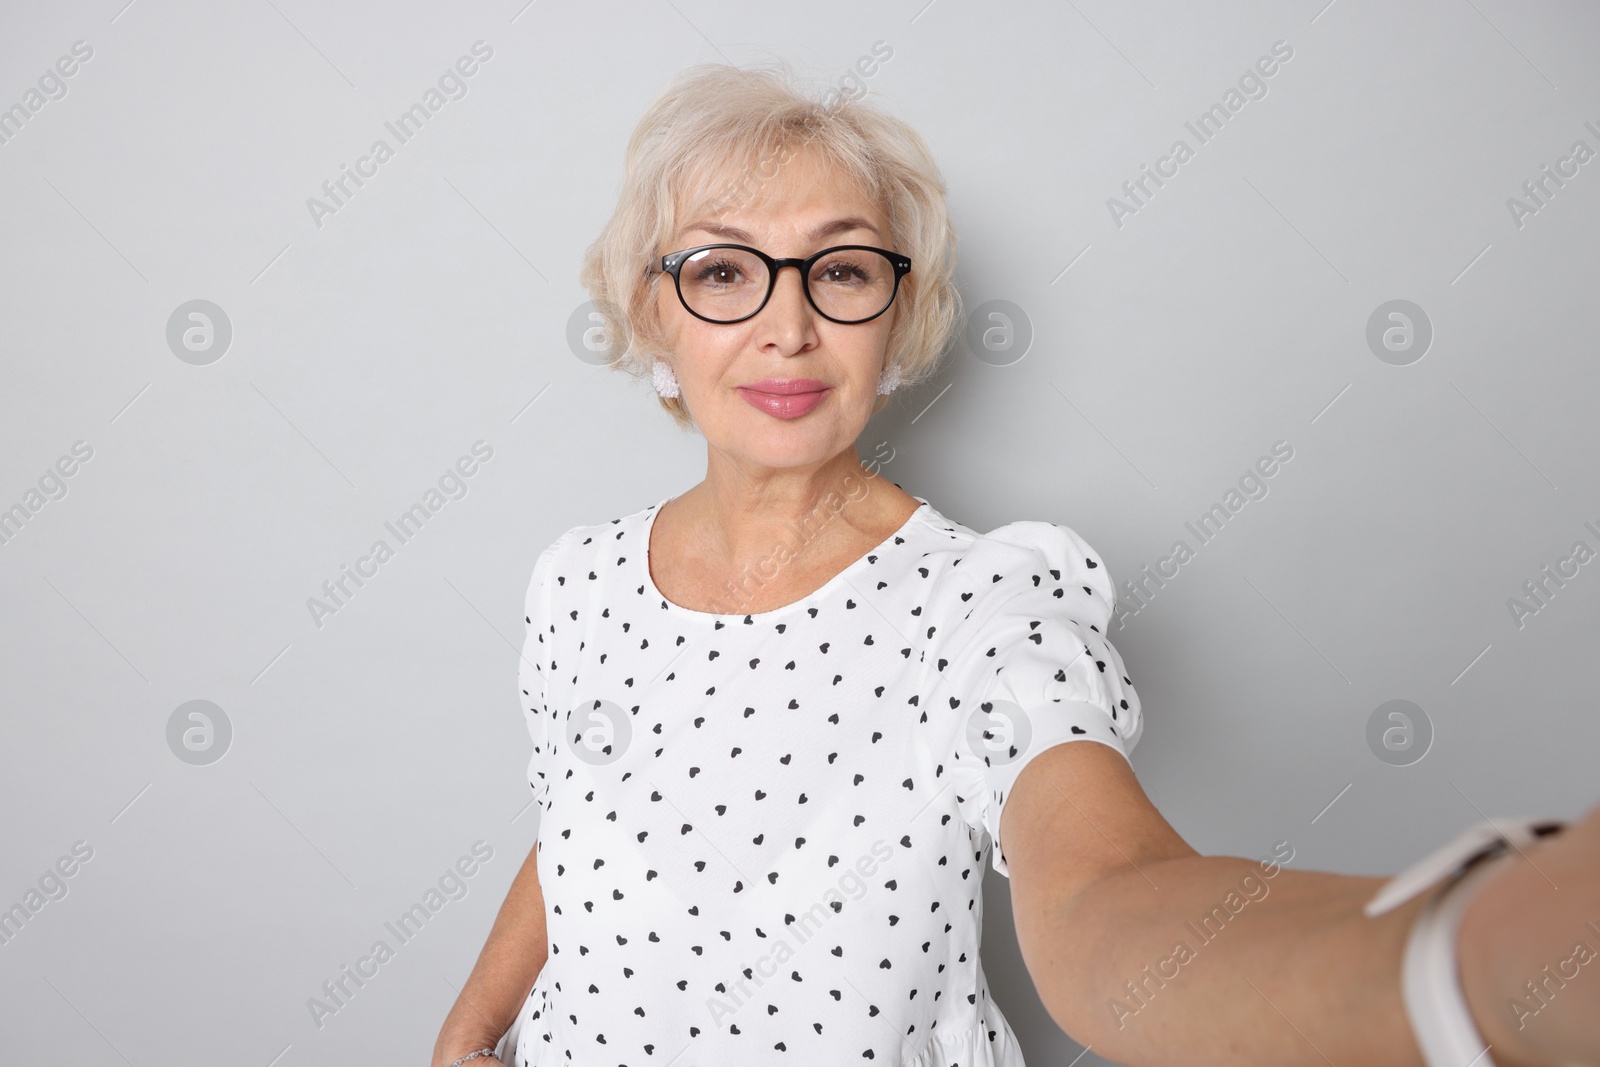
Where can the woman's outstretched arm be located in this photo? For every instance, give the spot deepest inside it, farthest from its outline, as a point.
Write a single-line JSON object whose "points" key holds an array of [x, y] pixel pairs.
{"points": [[1154, 954], [506, 969]]}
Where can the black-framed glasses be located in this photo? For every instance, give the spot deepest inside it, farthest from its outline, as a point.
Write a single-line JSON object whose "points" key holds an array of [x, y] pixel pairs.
{"points": [[847, 284]]}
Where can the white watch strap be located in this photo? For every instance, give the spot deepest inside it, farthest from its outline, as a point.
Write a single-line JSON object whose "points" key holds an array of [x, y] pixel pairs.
{"points": [[1431, 983], [1472, 843], [1430, 980]]}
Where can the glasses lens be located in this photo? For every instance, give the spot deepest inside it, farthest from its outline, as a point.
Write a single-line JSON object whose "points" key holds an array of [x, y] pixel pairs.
{"points": [[723, 283], [852, 284]]}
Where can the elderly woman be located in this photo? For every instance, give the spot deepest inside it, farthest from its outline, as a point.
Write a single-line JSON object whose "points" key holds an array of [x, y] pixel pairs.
{"points": [[784, 720]]}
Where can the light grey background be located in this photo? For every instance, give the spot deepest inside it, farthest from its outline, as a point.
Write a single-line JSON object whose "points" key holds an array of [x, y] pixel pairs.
{"points": [[368, 353]]}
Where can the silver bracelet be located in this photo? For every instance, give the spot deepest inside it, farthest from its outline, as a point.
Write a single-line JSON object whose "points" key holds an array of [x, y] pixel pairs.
{"points": [[473, 1056], [1430, 978]]}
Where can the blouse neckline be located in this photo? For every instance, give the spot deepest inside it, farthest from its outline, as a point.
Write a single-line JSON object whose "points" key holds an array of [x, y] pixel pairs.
{"points": [[816, 596]]}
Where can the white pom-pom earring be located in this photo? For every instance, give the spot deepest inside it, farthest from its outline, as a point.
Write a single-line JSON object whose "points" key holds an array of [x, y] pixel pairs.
{"points": [[666, 381], [889, 380]]}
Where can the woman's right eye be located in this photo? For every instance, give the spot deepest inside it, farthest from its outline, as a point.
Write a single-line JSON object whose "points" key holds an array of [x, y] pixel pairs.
{"points": [[718, 274]]}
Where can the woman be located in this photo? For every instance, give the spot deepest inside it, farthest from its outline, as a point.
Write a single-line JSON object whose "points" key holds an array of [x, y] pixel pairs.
{"points": [[780, 720]]}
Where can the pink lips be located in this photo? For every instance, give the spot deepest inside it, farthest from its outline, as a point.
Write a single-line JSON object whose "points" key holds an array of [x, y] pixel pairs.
{"points": [[784, 398]]}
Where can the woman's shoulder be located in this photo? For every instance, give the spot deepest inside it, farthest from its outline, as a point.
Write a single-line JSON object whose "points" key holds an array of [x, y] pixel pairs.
{"points": [[997, 597], [591, 538], [1028, 566], [1029, 549], [580, 546]]}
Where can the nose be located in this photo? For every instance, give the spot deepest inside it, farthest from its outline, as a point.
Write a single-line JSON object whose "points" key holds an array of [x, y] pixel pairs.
{"points": [[790, 289], [788, 312]]}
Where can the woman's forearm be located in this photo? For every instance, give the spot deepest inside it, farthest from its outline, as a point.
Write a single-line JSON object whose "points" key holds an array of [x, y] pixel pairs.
{"points": [[511, 959], [1207, 955]]}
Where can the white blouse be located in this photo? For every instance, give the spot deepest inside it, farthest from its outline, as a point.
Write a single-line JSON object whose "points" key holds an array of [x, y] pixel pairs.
{"points": [[763, 836]]}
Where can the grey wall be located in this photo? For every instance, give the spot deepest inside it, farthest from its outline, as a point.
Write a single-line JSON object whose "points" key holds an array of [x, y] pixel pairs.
{"points": [[1155, 354]]}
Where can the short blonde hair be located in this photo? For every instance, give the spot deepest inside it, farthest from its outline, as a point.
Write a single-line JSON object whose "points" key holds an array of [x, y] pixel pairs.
{"points": [[717, 132]]}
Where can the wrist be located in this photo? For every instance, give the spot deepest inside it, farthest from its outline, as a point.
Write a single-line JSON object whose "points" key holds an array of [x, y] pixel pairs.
{"points": [[1479, 963], [1521, 974], [1450, 1030], [451, 1048]]}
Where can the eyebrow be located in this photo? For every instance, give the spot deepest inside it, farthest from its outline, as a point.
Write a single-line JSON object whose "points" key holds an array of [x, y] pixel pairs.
{"points": [[816, 233]]}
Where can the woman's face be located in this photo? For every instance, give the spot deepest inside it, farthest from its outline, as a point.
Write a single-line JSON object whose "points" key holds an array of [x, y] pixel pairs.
{"points": [[724, 370]]}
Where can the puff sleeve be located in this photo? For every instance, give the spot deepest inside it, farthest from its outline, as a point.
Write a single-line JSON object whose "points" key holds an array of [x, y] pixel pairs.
{"points": [[1035, 669], [532, 667]]}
